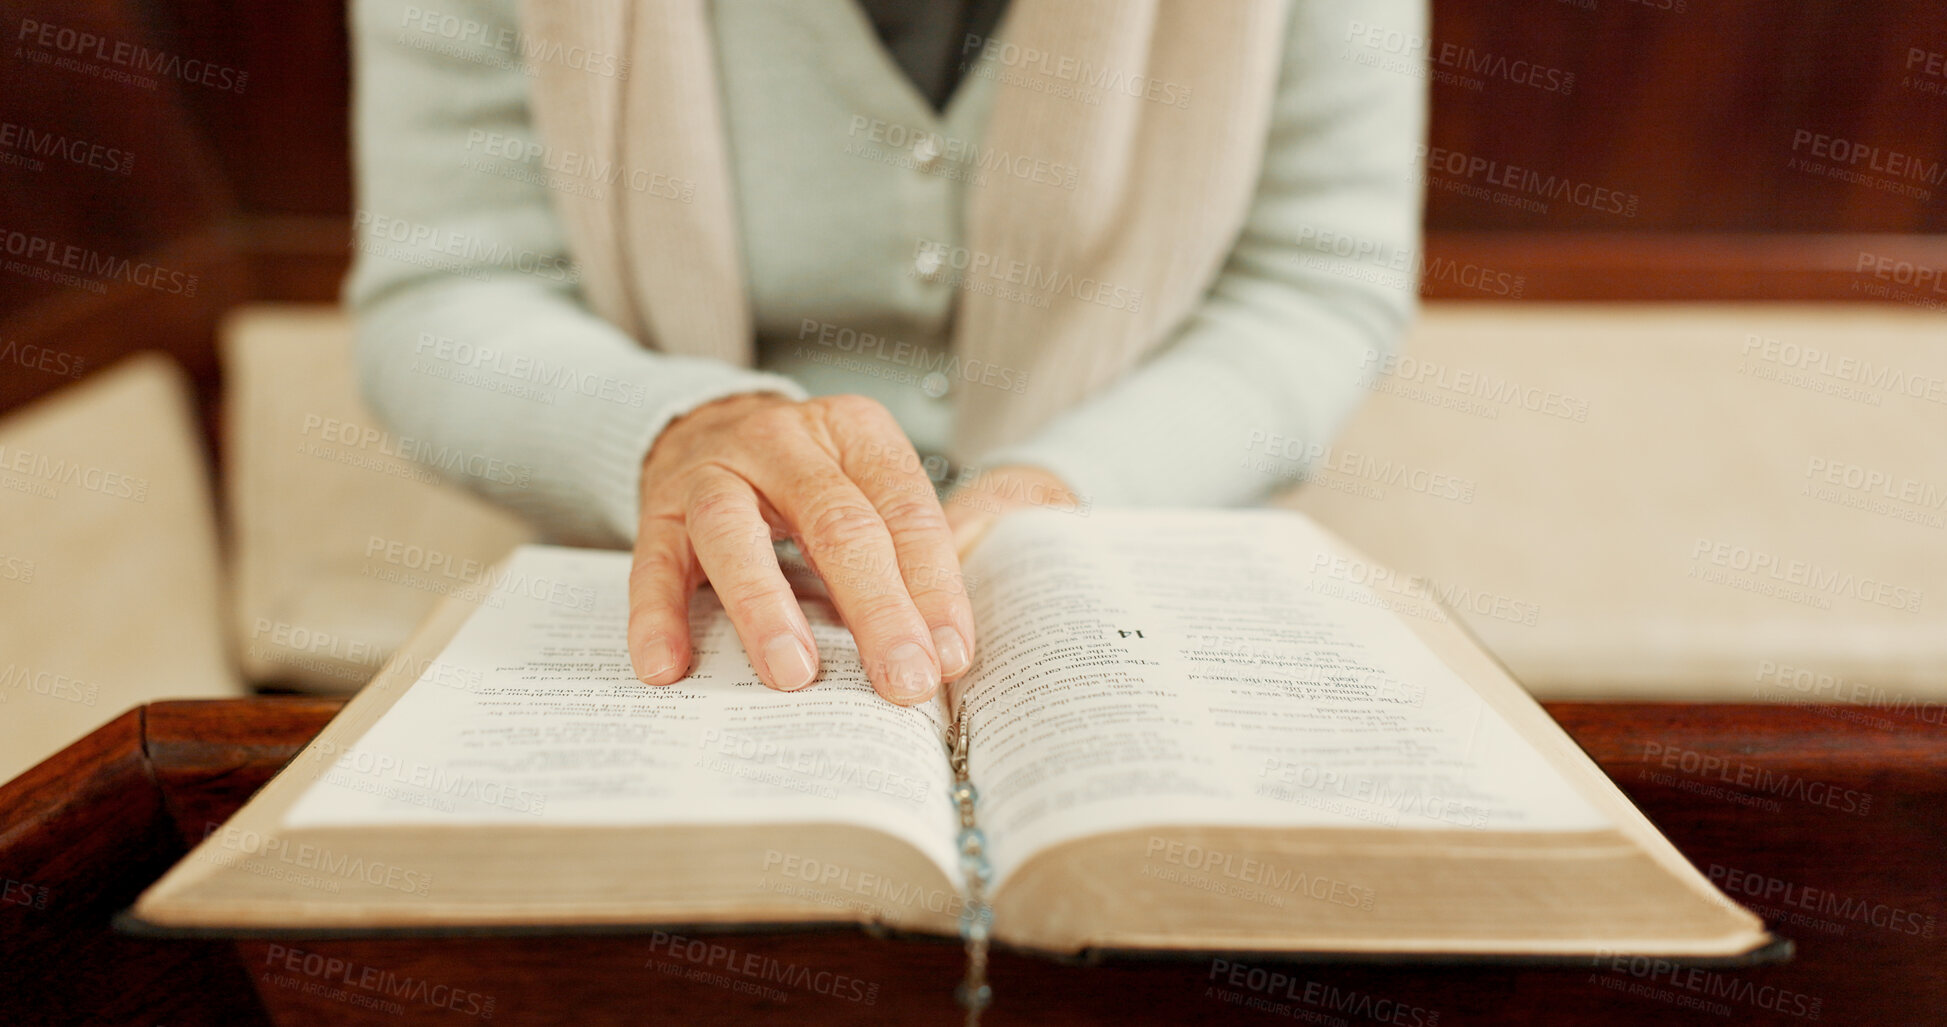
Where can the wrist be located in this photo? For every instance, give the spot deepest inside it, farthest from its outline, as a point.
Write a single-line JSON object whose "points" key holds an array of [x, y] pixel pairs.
{"points": [[709, 417], [690, 432]]}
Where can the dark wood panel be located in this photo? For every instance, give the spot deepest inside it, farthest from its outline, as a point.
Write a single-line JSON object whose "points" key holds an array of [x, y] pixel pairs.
{"points": [[1696, 108], [283, 140], [209, 757], [306, 259], [80, 836], [100, 163], [1891, 269], [1848, 863], [113, 205]]}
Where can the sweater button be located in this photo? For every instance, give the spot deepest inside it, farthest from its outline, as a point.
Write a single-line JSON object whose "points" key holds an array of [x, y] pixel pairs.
{"points": [[927, 265], [927, 153], [935, 384]]}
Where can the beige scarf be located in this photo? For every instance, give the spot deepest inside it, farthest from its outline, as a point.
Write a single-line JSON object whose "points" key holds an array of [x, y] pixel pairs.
{"points": [[1168, 137]]}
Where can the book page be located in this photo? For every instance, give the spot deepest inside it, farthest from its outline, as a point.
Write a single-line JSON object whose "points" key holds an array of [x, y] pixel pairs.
{"points": [[1142, 669], [532, 715]]}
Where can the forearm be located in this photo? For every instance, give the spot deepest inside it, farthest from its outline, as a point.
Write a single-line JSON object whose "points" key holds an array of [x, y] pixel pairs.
{"points": [[522, 395], [1212, 420], [474, 344], [1318, 288]]}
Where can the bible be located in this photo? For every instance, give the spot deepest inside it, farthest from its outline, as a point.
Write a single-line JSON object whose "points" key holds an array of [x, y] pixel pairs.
{"points": [[1187, 731]]}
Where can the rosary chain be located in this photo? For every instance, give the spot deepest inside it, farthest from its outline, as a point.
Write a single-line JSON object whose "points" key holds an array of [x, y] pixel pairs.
{"points": [[976, 916]]}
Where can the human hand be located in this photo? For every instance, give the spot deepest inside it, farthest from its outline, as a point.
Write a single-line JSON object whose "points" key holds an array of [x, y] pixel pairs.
{"points": [[837, 475], [973, 508]]}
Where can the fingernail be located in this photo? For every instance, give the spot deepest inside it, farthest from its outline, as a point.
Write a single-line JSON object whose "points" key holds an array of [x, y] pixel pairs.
{"points": [[790, 664], [658, 659], [910, 675], [952, 649]]}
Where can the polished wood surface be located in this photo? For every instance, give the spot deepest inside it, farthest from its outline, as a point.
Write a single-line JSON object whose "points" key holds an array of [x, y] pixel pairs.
{"points": [[1628, 267], [1695, 108], [80, 836], [1752, 794]]}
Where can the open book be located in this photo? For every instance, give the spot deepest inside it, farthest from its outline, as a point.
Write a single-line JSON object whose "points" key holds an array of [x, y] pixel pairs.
{"points": [[1191, 731]]}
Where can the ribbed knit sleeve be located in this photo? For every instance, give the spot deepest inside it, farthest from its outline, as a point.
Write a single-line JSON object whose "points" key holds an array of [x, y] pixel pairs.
{"points": [[473, 343]]}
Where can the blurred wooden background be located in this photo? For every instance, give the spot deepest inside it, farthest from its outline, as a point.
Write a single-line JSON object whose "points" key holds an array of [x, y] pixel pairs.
{"points": [[1690, 108]]}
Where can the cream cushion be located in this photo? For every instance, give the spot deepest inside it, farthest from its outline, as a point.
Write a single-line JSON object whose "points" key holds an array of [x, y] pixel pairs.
{"points": [[1671, 501], [109, 582], [1647, 501], [341, 542]]}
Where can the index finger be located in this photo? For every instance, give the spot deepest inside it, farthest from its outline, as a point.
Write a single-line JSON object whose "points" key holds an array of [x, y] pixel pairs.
{"points": [[846, 540], [886, 468]]}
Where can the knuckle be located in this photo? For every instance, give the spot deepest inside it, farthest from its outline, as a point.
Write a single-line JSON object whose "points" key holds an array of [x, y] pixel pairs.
{"points": [[856, 409], [710, 507], [844, 525], [884, 616], [654, 575], [723, 525], [890, 460], [745, 596], [772, 424], [739, 551], [649, 576], [941, 588], [911, 515], [737, 546]]}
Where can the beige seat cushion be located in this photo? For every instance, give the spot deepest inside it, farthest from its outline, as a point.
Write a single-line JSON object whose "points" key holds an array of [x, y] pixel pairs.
{"points": [[1644, 501], [341, 543], [1667, 501], [109, 583]]}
